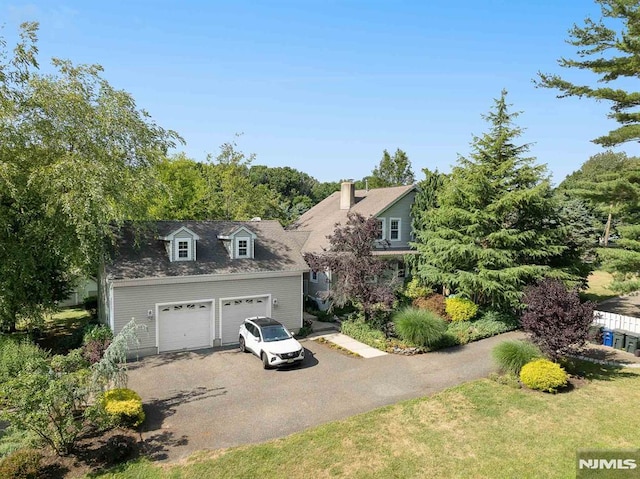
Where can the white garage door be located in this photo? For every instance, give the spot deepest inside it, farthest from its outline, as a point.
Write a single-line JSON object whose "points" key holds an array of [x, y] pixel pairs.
{"points": [[185, 326], [234, 311]]}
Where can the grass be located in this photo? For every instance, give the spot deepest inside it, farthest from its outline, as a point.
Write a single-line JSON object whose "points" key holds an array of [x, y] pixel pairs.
{"points": [[598, 290], [64, 329], [481, 429]]}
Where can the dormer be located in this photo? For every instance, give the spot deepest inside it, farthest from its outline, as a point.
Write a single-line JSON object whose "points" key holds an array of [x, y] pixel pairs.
{"points": [[181, 244], [240, 242]]}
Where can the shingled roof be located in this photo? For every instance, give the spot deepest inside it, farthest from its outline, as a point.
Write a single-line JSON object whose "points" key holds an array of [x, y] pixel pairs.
{"points": [[140, 252], [320, 221]]}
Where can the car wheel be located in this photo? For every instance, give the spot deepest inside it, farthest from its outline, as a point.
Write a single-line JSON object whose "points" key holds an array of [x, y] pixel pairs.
{"points": [[265, 361], [242, 346]]}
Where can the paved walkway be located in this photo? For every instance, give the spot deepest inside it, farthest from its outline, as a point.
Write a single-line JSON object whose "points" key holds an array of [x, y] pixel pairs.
{"points": [[352, 345]]}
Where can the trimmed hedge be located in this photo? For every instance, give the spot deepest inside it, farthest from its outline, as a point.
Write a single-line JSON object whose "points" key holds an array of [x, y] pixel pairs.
{"points": [[460, 309], [543, 375], [124, 407], [419, 327]]}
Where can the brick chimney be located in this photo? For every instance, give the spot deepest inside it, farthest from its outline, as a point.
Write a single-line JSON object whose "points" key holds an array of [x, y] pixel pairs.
{"points": [[347, 195]]}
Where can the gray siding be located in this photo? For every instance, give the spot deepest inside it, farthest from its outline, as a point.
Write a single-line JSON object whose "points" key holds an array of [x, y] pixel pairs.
{"points": [[402, 210], [134, 301]]}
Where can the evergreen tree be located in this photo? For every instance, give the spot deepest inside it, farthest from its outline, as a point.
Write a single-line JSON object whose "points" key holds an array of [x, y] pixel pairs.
{"points": [[609, 48], [392, 171], [496, 229]]}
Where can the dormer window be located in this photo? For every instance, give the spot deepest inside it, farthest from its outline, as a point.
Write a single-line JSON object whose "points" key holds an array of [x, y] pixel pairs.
{"points": [[181, 244], [242, 248], [239, 241]]}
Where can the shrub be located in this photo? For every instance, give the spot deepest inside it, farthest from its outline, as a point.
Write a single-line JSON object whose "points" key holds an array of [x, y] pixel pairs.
{"points": [[467, 331], [18, 356], [415, 290], [419, 327], [555, 318], [512, 355], [543, 375], [364, 332], [124, 407], [434, 302], [460, 309], [69, 363], [21, 464], [90, 303], [96, 340]]}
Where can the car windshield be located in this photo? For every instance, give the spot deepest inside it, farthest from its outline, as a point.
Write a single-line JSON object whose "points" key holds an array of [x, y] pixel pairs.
{"points": [[274, 333]]}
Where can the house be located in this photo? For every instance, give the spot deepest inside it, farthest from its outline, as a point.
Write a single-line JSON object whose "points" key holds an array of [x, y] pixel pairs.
{"points": [[192, 283], [391, 206], [84, 288]]}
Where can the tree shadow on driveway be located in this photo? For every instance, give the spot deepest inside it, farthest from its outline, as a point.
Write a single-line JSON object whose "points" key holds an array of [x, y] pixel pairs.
{"points": [[156, 444]]}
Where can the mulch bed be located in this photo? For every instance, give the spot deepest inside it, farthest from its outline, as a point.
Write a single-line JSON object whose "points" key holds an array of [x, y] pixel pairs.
{"points": [[93, 453]]}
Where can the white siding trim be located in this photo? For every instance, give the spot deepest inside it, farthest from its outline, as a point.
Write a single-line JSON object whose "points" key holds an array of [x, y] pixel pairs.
{"points": [[112, 317], [203, 278], [213, 315], [253, 296]]}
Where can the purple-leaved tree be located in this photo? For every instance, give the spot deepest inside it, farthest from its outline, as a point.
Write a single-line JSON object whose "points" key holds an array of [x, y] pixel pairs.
{"points": [[357, 274], [555, 318]]}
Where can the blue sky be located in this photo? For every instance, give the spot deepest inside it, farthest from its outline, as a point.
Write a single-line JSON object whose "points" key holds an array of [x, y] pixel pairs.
{"points": [[325, 86]]}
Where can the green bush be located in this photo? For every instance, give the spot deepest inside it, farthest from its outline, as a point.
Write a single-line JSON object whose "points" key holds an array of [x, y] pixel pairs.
{"points": [[419, 327], [543, 375], [460, 309], [69, 363], [512, 355], [365, 333], [124, 407], [415, 290], [21, 464], [97, 332], [468, 331], [18, 356]]}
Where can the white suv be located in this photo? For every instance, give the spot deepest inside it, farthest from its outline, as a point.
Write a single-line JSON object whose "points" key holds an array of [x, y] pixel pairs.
{"points": [[270, 341]]}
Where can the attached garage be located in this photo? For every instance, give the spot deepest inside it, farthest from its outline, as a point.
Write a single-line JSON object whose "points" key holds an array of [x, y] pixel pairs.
{"points": [[233, 311], [185, 325]]}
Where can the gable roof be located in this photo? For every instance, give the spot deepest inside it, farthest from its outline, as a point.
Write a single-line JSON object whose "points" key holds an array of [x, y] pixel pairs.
{"points": [[172, 234], [140, 251], [320, 221]]}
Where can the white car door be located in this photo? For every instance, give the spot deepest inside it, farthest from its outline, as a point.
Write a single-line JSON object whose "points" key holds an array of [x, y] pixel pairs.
{"points": [[253, 338]]}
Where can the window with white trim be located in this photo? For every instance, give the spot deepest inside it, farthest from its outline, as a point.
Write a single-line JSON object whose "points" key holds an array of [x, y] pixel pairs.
{"points": [[313, 276], [242, 248], [184, 250], [394, 229], [382, 224]]}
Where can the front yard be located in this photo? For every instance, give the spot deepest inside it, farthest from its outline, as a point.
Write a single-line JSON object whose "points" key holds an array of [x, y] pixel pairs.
{"points": [[479, 429]]}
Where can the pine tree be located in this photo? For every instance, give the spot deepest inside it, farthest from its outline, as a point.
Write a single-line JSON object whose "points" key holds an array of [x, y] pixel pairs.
{"points": [[496, 229], [392, 171], [609, 48]]}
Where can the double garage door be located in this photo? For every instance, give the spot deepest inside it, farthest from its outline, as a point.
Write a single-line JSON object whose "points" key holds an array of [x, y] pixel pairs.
{"points": [[184, 326]]}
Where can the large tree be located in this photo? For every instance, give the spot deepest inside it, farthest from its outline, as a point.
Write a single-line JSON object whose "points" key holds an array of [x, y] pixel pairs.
{"points": [[76, 158], [357, 275], [496, 228], [392, 171], [609, 48]]}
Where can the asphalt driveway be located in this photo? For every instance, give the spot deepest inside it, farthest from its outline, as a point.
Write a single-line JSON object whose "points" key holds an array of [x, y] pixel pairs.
{"points": [[218, 399]]}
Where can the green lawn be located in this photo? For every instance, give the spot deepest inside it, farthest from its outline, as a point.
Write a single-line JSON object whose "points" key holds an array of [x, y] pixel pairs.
{"points": [[598, 286], [479, 429]]}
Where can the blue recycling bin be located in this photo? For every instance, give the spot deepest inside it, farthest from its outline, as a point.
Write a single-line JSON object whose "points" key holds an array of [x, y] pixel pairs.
{"points": [[607, 337]]}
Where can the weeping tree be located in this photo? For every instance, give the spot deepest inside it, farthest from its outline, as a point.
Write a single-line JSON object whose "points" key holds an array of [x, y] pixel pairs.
{"points": [[357, 275], [76, 159]]}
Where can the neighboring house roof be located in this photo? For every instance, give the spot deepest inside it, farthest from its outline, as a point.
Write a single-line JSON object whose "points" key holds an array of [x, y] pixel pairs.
{"points": [[320, 221], [140, 251]]}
